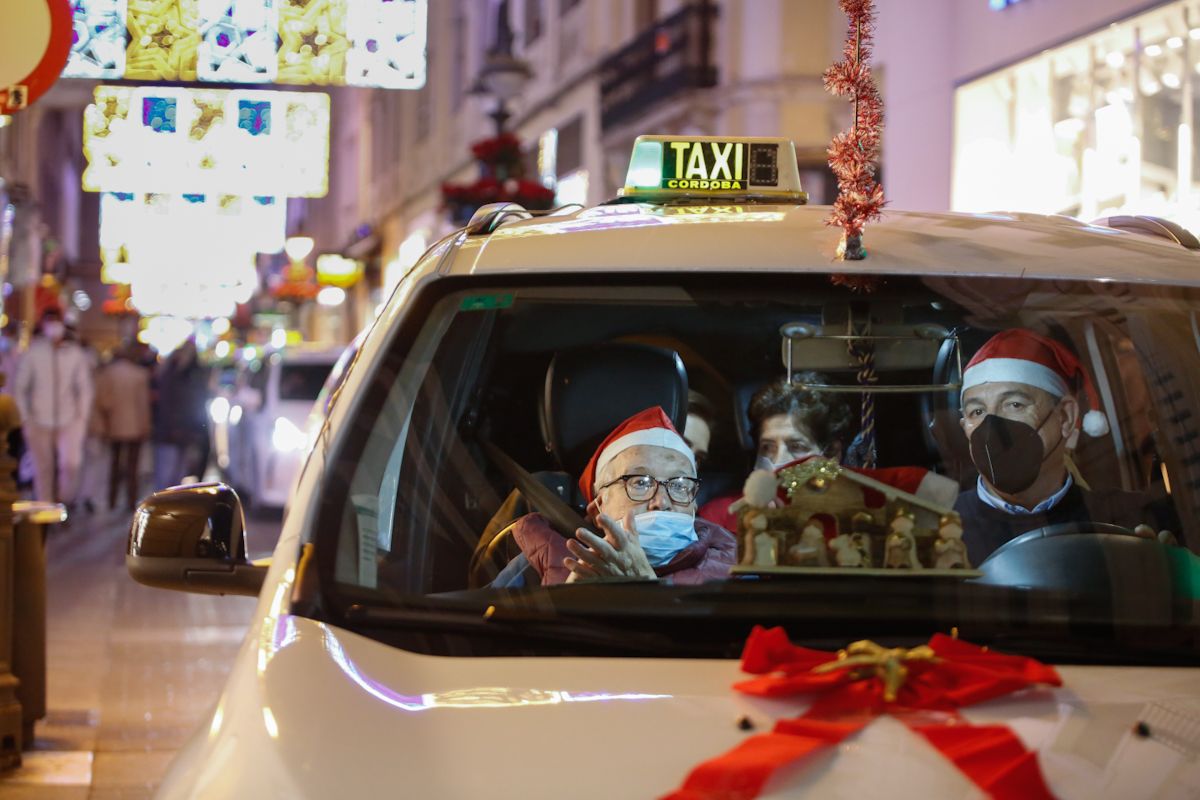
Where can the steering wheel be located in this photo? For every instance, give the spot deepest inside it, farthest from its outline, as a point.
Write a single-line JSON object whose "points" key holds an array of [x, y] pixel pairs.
{"points": [[1060, 529], [485, 552], [1056, 557]]}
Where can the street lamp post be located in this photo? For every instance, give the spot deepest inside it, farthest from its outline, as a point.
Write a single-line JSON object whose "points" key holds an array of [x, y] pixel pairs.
{"points": [[503, 76]]}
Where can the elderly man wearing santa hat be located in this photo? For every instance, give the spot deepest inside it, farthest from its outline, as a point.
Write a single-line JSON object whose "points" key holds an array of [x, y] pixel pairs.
{"points": [[1021, 407], [641, 489]]}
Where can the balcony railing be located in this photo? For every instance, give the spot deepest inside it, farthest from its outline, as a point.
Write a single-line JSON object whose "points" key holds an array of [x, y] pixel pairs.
{"points": [[672, 56]]}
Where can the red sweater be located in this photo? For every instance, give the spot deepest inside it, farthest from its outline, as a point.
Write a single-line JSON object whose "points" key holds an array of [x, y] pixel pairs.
{"points": [[708, 558]]}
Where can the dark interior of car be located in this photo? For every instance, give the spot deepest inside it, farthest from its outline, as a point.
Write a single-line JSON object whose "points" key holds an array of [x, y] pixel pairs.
{"points": [[544, 381]]}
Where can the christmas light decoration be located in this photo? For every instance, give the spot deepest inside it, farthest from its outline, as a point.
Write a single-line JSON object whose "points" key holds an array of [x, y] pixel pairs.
{"points": [[239, 41], [141, 231], [313, 42], [387, 44], [337, 270], [854, 153], [207, 141], [98, 39], [163, 38], [190, 256], [379, 43]]}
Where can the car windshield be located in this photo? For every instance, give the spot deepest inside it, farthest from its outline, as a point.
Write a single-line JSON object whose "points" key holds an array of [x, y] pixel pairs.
{"points": [[1014, 460], [302, 381]]}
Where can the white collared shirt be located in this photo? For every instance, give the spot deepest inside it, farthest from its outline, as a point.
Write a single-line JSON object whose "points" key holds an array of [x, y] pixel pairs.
{"points": [[997, 502]]}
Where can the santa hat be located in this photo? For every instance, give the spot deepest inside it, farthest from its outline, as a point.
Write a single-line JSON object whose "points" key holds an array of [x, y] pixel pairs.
{"points": [[1022, 356], [650, 427]]}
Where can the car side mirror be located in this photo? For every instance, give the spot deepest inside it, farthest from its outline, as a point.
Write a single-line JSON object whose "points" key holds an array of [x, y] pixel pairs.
{"points": [[192, 539]]}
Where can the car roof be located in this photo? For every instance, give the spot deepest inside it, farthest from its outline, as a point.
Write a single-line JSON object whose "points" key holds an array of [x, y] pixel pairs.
{"points": [[638, 237]]}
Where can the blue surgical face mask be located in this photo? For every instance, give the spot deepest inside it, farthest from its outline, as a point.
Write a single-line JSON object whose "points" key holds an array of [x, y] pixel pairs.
{"points": [[664, 533], [762, 462]]}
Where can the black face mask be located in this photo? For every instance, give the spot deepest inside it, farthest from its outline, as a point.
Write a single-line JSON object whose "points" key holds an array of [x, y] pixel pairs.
{"points": [[1008, 454]]}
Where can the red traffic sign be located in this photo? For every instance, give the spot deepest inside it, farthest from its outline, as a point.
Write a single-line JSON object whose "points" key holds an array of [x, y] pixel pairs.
{"points": [[35, 41]]}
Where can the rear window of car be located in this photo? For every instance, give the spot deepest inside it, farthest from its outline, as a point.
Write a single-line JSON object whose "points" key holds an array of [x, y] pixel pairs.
{"points": [[302, 381]]}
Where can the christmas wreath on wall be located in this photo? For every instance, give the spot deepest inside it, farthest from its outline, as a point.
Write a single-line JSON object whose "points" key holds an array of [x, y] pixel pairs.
{"points": [[501, 179]]}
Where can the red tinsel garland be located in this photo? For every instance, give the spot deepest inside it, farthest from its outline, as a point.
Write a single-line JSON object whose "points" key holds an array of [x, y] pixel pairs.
{"points": [[854, 153]]}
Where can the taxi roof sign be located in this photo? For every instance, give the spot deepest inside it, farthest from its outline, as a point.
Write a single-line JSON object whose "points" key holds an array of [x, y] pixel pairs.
{"points": [[663, 167]]}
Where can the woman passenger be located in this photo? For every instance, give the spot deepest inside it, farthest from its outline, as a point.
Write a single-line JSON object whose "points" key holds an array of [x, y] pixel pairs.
{"points": [[788, 423]]}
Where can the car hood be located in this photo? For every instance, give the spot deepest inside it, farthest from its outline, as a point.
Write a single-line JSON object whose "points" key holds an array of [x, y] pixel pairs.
{"points": [[315, 711]]}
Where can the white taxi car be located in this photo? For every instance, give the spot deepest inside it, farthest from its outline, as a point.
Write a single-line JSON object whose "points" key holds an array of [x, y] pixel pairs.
{"points": [[401, 648]]}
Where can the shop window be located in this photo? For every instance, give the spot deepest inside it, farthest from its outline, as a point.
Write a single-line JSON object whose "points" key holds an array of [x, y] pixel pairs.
{"points": [[570, 146], [1092, 128]]}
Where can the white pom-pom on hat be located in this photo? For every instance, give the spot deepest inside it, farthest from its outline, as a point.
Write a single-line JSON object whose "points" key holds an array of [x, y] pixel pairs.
{"points": [[1095, 423], [760, 488]]}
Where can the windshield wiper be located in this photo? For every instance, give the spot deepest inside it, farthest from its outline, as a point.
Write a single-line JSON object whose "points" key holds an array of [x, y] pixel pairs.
{"points": [[506, 623]]}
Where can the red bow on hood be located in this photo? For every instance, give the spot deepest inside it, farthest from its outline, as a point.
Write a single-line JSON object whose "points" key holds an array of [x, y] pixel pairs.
{"points": [[855, 685]]}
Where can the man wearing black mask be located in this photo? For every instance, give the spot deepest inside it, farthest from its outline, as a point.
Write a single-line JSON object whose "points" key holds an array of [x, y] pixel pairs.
{"points": [[1021, 412]]}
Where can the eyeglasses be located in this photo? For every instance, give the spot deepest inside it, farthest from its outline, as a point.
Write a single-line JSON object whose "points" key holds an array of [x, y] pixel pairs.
{"points": [[640, 488]]}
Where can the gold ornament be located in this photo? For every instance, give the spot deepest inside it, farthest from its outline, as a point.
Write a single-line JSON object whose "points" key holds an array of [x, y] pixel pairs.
{"points": [[866, 659], [818, 474]]}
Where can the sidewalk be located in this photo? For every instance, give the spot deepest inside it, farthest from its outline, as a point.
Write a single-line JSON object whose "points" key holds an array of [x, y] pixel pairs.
{"points": [[132, 670]]}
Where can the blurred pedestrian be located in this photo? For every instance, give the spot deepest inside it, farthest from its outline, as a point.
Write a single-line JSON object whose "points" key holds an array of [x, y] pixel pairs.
{"points": [[53, 389], [123, 403], [9, 356], [180, 417], [93, 476]]}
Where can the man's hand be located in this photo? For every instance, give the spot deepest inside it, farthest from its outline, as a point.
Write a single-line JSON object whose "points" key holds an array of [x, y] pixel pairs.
{"points": [[1163, 537], [616, 557]]}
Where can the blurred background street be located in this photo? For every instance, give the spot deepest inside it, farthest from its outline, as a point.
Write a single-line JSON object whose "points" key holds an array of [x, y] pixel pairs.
{"points": [[131, 670]]}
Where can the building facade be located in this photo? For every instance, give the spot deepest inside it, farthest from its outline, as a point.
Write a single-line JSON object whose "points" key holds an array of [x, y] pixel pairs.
{"points": [[48, 224], [602, 72]]}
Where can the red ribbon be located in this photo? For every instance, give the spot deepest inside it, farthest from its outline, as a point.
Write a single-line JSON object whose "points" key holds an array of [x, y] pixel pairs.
{"points": [[961, 674]]}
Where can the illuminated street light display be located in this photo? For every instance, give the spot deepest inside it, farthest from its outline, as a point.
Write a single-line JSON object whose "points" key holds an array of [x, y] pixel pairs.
{"points": [[377, 43], [298, 247], [387, 44], [255, 224], [187, 256], [337, 270], [99, 40], [331, 296], [174, 139], [239, 41]]}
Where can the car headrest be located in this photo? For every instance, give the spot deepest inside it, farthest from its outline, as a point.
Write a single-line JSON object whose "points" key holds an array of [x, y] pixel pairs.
{"points": [[592, 390], [741, 403]]}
